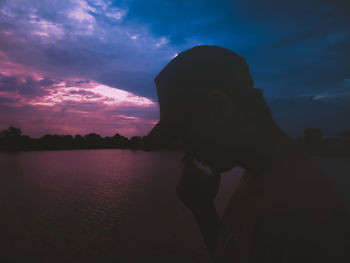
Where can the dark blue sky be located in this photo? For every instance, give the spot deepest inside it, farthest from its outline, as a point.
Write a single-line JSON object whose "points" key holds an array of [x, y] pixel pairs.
{"points": [[298, 52]]}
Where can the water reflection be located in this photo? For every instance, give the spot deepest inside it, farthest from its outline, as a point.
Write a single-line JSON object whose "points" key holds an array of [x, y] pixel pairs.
{"points": [[98, 206], [92, 206]]}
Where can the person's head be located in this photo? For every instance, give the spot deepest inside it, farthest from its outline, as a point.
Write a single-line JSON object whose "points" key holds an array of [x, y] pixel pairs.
{"points": [[207, 98]]}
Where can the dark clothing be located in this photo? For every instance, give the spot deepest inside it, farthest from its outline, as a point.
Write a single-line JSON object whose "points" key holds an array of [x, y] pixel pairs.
{"points": [[291, 214]]}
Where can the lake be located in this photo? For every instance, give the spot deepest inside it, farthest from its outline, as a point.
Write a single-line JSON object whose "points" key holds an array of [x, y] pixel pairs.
{"points": [[107, 206]]}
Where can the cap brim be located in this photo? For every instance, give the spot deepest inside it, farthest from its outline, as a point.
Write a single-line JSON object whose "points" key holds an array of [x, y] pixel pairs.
{"points": [[162, 134]]}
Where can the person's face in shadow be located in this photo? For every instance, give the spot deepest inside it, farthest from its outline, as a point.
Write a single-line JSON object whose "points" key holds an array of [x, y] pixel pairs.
{"points": [[209, 134]]}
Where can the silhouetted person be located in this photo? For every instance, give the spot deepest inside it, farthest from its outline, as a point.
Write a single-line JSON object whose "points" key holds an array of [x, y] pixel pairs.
{"points": [[285, 208]]}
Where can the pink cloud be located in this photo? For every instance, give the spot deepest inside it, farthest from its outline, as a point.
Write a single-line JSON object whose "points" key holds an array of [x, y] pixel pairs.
{"points": [[10, 68], [41, 105], [37, 121], [90, 92]]}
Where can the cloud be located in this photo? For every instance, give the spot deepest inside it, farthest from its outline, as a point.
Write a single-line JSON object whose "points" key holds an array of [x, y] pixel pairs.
{"points": [[328, 113], [338, 94], [8, 100], [294, 48], [28, 87], [84, 39], [38, 121], [86, 93], [46, 105], [128, 42]]}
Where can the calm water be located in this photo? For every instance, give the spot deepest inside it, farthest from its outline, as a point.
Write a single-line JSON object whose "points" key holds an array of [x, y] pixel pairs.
{"points": [[106, 206]]}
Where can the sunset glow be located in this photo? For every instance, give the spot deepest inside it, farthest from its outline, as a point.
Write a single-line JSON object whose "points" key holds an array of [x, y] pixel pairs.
{"points": [[90, 92], [81, 66], [71, 106]]}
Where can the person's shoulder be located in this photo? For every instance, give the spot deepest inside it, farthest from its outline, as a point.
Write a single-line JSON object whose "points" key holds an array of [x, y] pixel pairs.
{"points": [[304, 231], [301, 194]]}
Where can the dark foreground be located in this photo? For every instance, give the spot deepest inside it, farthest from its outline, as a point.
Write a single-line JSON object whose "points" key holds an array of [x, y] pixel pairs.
{"points": [[106, 206], [12, 140]]}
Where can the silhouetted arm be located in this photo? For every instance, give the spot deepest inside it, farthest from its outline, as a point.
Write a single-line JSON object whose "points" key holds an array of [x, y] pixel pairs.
{"points": [[197, 190], [209, 225]]}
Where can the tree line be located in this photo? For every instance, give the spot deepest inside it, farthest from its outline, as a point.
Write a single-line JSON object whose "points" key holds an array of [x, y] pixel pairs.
{"points": [[12, 139], [314, 143]]}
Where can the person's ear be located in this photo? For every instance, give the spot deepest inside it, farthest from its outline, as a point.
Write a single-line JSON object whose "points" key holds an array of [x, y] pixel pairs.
{"points": [[220, 103]]}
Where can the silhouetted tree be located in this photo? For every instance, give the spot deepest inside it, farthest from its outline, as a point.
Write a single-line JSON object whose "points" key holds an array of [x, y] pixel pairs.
{"points": [[68, 141], [135, 142], [11, 132], [12, 139], [93, 140], [79, 141], [313, 135], [93, 137], [120, 141], [79, 138], [345, 135]]}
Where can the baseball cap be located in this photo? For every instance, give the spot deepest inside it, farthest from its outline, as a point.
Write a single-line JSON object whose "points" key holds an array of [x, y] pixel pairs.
{"points": [[184, 83]]}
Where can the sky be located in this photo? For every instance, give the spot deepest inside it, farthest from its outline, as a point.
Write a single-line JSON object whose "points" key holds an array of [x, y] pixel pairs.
{"points": [[82, 66]]}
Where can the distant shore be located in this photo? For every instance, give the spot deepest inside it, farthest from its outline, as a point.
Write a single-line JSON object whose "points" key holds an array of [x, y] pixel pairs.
{"points": [[12, 140]]}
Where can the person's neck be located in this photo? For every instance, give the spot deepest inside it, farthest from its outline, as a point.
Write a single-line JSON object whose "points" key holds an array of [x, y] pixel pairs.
{"points": [[266, 150]]}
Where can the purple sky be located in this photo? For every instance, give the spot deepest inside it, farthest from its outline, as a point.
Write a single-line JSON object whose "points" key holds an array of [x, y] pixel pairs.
{"points": [[75, 67]]}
